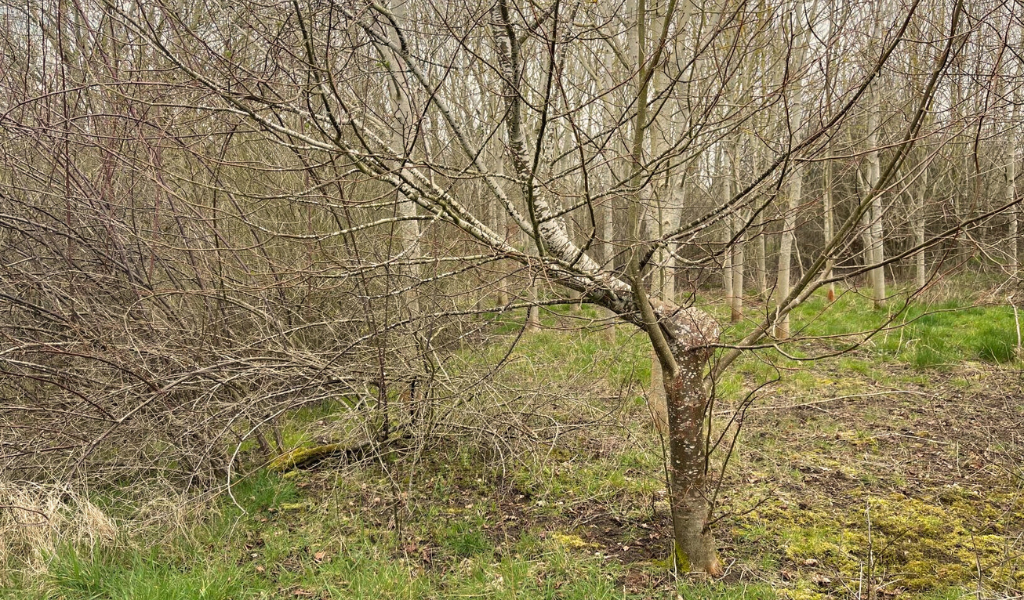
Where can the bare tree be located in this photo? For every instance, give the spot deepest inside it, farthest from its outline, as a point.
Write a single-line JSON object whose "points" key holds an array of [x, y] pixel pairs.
{"points": [[217, 213]]}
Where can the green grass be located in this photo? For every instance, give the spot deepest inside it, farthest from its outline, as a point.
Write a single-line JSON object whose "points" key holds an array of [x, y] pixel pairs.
{"points": [[923, 335], [138, 576], [916, 333], [332, 552]]}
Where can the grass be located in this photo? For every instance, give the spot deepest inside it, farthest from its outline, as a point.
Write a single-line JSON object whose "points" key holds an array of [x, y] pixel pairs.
{"points": [[883, 489], [918, 334]]}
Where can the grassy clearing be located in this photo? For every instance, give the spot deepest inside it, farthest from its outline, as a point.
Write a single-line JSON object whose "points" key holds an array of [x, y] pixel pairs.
{"points": [[890, 471]]}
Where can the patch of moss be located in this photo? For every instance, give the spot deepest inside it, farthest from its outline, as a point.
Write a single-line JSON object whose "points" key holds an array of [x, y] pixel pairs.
{"points": [[300, 456], [919, 545], [930, 545], [923, 546], [682, 560], [569, 540]]}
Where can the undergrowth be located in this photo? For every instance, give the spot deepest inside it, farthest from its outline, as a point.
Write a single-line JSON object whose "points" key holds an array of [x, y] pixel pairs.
{"points": [[862, 475]]}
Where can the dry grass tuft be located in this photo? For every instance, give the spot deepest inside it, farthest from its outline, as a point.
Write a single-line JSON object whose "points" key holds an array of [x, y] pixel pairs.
{"points": [[36, 519]]}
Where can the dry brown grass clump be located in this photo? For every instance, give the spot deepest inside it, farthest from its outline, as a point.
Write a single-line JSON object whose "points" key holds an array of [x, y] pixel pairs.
{"points": [[36, 519]]}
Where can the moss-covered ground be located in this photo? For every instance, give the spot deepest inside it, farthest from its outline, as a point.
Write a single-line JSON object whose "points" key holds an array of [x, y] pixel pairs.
{"points": [[892, 470]]}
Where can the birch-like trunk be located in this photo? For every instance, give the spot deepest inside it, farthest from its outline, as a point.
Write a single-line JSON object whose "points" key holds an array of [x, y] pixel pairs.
{"points": [[1010, 171], [500, 225], [796, 182], [533, 313], [739, 222], [736, 314], [1011, 193], [727, 277], [408, 229], [786, 241], [726, 235], [659, 220], [606, 213], [761, 259], [828, 220], [920, 269], [876, 253]]}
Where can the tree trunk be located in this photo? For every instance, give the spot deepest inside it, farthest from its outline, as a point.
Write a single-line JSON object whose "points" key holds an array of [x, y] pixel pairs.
{"points": [[687, 400], [727, 276], [786, 248], [681, 335], [607, 225], [875, 253], [408, 230], [727, 262], [921, 271], [500, 223], [827, 222], [736, 314], [533, 313], [739, 222], [796, 182], [1011, 188], [760, 264]]}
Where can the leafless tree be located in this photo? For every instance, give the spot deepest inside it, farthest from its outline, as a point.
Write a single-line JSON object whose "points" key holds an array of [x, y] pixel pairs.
{"points": [[214, 213]]}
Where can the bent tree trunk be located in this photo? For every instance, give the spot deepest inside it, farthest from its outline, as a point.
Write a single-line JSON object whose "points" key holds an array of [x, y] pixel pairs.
{"points": [[690, 332], [681, 336]]}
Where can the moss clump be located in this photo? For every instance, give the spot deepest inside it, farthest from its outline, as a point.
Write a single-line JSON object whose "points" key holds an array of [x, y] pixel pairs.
{"points": [[928, 545], [299, 457], [916, 544], [682, 559]]}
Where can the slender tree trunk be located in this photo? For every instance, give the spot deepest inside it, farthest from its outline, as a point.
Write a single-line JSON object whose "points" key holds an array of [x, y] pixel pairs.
{"points": [[786, 243], [736, 314], [827, 209], [875, 251], [796, 181], [739, 222], [760, 265], [1014, 232], [606, 214], [1011, 188], [408, 229], [606, 211], [727, 275], [570, 227], [921, 271], [533, 313], [878, 252], [662, 284], [501, 225]]}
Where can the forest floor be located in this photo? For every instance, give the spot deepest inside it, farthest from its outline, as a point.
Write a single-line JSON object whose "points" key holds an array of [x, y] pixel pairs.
{"points": [[895, 469]]}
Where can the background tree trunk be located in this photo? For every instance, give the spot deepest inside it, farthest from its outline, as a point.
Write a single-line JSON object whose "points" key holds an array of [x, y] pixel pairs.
{"points": [[794, 192], [875, 252], [920, 269]]}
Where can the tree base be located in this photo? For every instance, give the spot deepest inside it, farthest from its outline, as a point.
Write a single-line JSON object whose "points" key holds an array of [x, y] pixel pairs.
{"points": [[703, 559]]}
